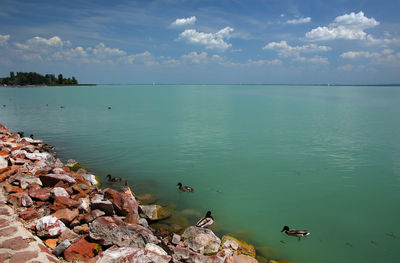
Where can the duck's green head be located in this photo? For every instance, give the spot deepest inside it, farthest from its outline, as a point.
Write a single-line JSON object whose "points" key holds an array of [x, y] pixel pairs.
{"points": [[285, 228]]}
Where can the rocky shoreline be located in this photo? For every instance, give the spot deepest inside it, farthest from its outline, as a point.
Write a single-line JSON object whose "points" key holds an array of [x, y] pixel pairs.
{"points": [[79, 221]]}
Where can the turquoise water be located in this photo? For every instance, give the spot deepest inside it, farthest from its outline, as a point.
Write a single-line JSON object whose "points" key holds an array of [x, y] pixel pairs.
{"points": [[323, 158]]}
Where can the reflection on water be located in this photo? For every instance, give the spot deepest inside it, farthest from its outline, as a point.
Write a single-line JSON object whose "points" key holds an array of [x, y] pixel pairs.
{"points": [[260, 157]]}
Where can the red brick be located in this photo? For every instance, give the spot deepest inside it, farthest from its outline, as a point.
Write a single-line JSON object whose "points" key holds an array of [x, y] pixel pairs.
{"points": [[4, 222], [8, 231], [4, 212], [4, 256], [23, 256], [15, 243]]}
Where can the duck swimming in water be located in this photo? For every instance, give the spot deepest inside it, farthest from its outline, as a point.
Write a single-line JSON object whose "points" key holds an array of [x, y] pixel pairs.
{"points": [[206, 220], [295, 233], [185, 188], [114, 180]]}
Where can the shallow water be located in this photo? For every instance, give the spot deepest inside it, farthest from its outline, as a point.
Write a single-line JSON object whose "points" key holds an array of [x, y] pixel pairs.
{"points": [[322, 158]]}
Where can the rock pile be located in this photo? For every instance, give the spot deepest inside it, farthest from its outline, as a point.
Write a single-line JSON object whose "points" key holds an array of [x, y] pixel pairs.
{"points": [[78, 221]]}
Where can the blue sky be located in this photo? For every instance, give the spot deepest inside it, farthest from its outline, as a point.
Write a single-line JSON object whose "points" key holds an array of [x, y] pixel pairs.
{"points": [[177, 41]]}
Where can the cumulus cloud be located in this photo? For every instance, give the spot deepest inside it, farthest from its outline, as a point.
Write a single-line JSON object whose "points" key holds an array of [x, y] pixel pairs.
{"points": [[314, 60], [347, 26], [196, 58], [139, 57], [262, 62], [358, 54], [347, 67], [303, 20], [42, 44], [285, 50], [102, 51], [387, 57], [184, 21], [209, 40], [4, 39]]}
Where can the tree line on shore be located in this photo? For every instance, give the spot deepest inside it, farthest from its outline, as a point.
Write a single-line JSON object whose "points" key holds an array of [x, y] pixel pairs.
{"points": [[33, 78]]}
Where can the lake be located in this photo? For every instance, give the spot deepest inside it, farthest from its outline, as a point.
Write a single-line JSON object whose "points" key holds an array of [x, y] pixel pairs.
{"points": [[321, 158]]}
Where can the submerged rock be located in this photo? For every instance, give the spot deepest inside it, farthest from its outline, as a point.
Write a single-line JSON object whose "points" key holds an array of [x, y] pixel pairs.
{"points": [[155, 212], [202, 240], [146, 199], [113, 231], [240, 246]]}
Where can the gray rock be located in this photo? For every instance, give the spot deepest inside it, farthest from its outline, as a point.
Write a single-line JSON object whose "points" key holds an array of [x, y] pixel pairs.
{"points": [[132, 254], [58, 163], [84, 206], [155, 212], [49, 226], [113, 231], [91, 179], [3, 162], [185, 254], [98, 202], [53, 179], [176, 239], [143, 222], [58, 191], [26, 200], [202, 240], [61, 248], [25, 180]]}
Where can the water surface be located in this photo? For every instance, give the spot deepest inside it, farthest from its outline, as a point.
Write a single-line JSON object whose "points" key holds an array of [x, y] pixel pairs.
{"points": [[324, 158]]}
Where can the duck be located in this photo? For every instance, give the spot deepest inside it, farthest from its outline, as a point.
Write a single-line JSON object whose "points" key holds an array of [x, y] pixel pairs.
{"points": [[295, 233], [185, 188], [206, 221], [114, 180]]}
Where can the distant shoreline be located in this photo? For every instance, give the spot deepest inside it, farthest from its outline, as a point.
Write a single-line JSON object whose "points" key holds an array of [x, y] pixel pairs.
{"points": [[53, 85]]}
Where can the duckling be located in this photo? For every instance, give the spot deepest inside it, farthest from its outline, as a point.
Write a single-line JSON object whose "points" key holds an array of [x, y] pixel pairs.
{"points": [[206, 220], [185, 188], [296, 233], [114, 180]]}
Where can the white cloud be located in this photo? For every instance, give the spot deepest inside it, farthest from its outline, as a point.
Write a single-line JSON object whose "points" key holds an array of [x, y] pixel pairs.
{"points": [[359, 54], [139, 57], [184, 21], [42, 44], [386, 57], [285, 50], [102, 51], [299, 21], [195, 57], [348, 26], [4, 39], [209, 40], [314, 60], [347, 67], [262, 62]]}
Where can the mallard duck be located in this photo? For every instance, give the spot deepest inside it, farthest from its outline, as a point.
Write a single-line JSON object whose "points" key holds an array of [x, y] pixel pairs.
{"points": [[296, 233], [185, 188], [114, 180], [206, 220]]}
